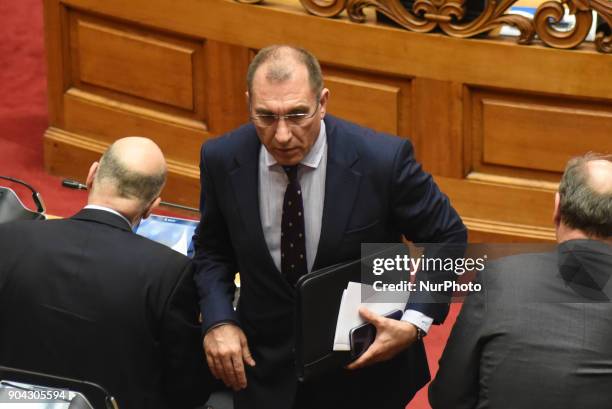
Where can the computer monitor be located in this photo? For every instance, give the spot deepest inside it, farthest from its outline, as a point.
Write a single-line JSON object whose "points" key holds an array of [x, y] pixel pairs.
{"points": [[174, 232]]}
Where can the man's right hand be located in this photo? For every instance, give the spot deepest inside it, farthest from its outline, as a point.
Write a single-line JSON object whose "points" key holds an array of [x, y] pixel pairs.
{"points": [[226, 352]]}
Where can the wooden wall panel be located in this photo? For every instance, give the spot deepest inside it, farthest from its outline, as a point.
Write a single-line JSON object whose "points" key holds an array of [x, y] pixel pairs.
{"points": [[127, 59], [116, 60], [502, 209], [89, 114], [226, 70], [382, 102], [371, 47], [370, 104], [493, 121], [123, 79], [70, 155], [438, 126], [533, 136], [536, 136]]}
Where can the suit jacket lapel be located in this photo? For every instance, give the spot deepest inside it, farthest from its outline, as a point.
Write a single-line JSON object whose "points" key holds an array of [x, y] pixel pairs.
{"points": [[244, 178], [341, 186]]}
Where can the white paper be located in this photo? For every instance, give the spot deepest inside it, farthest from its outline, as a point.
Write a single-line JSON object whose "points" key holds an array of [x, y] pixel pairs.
{"points": [[348, 316]]}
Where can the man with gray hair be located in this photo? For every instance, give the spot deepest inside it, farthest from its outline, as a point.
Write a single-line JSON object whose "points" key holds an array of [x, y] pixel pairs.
{"points": [[539, 334], [294, 191], [86, 298]]}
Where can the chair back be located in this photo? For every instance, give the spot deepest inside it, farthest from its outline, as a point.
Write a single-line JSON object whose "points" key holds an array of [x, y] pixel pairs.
{"points": [[51, 391], [12, 208]]}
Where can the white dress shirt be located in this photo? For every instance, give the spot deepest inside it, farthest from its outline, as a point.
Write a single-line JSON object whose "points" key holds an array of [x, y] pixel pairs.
{"points": [[272, 185], [311, 174]]}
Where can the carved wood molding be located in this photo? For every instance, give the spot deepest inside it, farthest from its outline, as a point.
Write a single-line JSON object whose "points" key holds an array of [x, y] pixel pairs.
{"points": [[426, 15], [447, 15], [552, 10], [324, 8], [604, 9]]}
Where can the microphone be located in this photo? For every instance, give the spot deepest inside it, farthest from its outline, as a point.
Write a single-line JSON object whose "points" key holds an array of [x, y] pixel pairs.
{"points": [[74, 184]]}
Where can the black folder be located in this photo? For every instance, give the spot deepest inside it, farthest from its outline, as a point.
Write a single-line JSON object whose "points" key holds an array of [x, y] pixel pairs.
{"points": [[318, 302]]}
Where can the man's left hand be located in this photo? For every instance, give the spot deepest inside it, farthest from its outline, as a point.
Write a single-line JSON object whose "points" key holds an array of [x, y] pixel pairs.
{"points": [[392, 337]]}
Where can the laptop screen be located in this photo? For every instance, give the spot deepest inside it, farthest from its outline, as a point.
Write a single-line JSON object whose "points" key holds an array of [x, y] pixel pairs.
{"points": [[174, 232]]}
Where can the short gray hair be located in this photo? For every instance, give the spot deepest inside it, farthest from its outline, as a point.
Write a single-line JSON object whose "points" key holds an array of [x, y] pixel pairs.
{"points": [[581, 206], [128, 183], [281, 71]]}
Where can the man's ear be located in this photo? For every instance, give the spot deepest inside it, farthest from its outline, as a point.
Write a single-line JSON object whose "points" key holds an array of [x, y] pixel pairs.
{"points": [[323, 101], [556, 212], [152, 207], [93, 169]]}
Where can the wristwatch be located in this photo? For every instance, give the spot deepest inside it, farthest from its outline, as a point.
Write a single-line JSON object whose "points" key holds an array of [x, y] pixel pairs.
{"points": [[420, 333]]}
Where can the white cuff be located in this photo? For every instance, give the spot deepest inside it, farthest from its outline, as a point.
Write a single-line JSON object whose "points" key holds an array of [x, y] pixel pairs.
{"points": [[418, 318]]}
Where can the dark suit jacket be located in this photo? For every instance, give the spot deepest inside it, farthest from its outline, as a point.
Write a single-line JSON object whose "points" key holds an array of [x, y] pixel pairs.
{"points": [[88, 299], [375, 191], [539, 335]]}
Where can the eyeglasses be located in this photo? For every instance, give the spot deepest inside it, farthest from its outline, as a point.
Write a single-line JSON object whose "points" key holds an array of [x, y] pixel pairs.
{"points": [[297, 119]]}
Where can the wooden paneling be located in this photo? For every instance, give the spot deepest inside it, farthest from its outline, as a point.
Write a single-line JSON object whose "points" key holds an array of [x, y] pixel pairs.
{"points": [[533, 136], [226, 83], [137, 64], [369, 104], [493, 121], [374, 48], [507, 204], [89, 114], [70, 155], [382, 102], [57, 46], [183, 185], [438, 133]]}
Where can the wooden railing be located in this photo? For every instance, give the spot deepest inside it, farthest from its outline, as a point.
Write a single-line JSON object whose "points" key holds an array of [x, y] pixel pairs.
{"points": [[448, 16]]}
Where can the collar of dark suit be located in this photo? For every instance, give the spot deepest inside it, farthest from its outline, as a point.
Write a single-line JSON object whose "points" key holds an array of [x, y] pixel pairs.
{"points": [[102, 217], [586, 263]]}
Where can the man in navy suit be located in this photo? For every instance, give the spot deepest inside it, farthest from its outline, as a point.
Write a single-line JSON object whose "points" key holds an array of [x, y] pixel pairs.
{"points": [[291, 192]]}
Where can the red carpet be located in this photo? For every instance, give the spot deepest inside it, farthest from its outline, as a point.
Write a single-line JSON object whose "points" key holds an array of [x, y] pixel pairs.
{"points": [[23, 120], [23, 106]]}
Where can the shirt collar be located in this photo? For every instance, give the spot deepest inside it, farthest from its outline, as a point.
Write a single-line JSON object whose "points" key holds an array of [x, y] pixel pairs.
{"points": [[312, 158], [108, 209]]}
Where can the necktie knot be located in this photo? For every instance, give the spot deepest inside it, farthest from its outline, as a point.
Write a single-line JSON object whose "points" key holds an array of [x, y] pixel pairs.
{"points": [[291, 172]]}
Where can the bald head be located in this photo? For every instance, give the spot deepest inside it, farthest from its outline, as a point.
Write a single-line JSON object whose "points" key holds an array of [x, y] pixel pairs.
{"points": [[585, 195], [137, 154], [129, 177], [600, 175]]}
